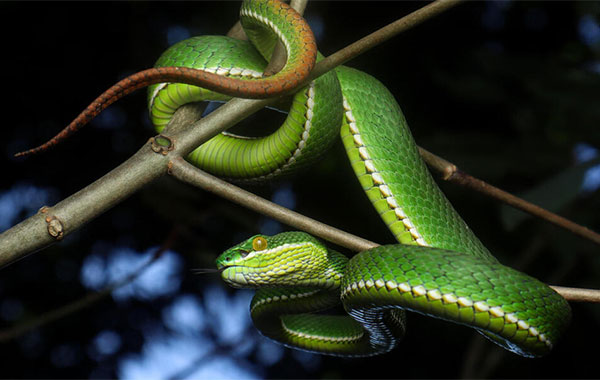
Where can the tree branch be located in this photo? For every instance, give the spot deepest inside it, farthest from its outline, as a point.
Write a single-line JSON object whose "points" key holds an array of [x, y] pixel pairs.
{"points": [[578, 294], [452, 173], [186, 172], [52, 224], [381, 35], [150, 162]]}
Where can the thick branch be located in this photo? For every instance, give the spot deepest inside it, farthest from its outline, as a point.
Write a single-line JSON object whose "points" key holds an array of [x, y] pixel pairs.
{"points": [[58, 221], [52, 224]]}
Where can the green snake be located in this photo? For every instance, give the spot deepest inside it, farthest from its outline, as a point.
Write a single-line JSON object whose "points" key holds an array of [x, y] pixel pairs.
{"points": [[440, 269]]}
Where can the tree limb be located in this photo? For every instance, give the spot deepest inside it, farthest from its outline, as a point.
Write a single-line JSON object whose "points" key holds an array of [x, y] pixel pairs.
{"points": [[150, 162]]}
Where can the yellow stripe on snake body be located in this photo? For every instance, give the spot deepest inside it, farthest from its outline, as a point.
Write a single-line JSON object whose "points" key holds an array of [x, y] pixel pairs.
{"points": [[440, 269]]}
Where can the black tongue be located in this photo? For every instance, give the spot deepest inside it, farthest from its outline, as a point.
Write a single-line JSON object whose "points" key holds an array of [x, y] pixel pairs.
{"points": [[206, 271]]}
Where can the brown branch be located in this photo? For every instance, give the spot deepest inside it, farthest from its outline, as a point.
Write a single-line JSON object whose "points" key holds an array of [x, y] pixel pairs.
{"points": [[578, 294], [452, 173], [188, 173], [381, 35]]}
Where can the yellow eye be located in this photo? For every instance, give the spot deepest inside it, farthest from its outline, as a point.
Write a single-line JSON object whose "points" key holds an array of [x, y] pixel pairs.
{"points": [[259, 243]]}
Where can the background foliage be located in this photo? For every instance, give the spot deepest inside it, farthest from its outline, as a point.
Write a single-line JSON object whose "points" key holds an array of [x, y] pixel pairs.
{"points": [[509, 91]]}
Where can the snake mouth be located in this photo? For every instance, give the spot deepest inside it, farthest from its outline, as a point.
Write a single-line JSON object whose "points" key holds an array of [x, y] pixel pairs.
{"points": [[234, 278], [239, 278]]}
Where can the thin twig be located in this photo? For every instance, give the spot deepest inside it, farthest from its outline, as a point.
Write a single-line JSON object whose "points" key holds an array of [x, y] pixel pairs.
{"points": [[451, 173], [381, 35], [188, 173], [578, 294]]}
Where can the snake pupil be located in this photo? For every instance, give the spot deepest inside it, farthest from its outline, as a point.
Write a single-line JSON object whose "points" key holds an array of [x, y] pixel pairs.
{"points": [[259, 243]]}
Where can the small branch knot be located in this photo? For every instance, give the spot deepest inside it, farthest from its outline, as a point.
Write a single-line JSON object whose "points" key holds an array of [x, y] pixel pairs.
{"points": [[55, 227], [161, 144], [449, 172]]}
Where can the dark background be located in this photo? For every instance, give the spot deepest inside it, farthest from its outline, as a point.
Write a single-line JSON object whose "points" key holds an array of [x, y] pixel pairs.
{"points": [[509, 91]]}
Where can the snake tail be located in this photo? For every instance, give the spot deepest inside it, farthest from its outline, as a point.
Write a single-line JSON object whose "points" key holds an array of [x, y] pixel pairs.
{"points": [[283, 23]]}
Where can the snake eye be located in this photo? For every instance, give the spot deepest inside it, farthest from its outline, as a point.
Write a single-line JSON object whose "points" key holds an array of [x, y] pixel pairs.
{"points": [[259, 243]]}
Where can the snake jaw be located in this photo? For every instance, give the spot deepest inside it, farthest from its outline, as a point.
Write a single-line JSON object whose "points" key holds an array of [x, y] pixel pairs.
{"points": [[234, 277], [242, 276]]}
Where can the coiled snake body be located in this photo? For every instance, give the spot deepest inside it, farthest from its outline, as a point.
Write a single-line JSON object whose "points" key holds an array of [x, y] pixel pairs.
{"points": [[440, 269]]}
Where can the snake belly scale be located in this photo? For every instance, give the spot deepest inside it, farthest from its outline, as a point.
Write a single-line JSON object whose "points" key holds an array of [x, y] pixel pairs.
{"points": [[440, 268]]}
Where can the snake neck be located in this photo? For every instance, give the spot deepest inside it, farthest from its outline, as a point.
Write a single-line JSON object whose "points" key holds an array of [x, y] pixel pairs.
{"points": [[311, 266], [334, 272]]}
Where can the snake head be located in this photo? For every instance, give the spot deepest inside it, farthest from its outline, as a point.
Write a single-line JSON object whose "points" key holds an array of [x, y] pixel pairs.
{"points": [[285, 259]]}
